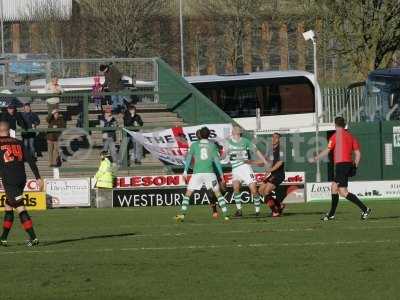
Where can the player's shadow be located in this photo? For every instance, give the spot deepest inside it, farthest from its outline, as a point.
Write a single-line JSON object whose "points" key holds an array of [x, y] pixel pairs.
{"points": [[285, 214], [304, 213], [86, 238], [383, 218]]}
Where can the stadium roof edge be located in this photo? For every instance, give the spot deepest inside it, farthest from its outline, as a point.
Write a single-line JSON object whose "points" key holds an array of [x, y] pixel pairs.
{"points": [[253, 75]]}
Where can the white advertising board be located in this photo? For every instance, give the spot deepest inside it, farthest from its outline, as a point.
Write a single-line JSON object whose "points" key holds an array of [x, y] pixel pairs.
{"points": [[68, 192], [379, 190]]}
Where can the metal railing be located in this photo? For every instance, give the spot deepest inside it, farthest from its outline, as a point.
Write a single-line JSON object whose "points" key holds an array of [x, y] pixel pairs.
{"points": [[341, 101], [17, 70], [88, 134]]}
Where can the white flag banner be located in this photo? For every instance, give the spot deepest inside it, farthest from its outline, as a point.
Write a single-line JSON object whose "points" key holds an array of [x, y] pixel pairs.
{"points": [[171, 145]]}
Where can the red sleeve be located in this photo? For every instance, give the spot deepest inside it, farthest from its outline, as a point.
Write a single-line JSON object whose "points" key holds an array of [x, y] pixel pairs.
{"points": [[356, 145], [332, 142]]}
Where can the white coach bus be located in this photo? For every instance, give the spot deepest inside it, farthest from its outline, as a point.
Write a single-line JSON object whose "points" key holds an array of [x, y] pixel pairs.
{"points": [[265, 101]]}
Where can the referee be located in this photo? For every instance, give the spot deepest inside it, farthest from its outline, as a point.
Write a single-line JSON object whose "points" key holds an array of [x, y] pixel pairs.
{"points": [[13, 156], [343, 145]]}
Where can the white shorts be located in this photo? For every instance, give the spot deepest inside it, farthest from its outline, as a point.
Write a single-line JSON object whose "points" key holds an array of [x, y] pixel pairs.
{"points": [[244, 174], [209, 180]]}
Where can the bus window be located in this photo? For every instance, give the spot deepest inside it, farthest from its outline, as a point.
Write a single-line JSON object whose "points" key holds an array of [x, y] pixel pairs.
{"points": [[288, 99], [236, 101], [274, 96]]}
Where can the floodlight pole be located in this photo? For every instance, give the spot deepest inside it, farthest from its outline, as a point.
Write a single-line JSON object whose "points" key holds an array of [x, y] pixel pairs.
{"points": [[2, 39], [318, 174], [181, 33]]}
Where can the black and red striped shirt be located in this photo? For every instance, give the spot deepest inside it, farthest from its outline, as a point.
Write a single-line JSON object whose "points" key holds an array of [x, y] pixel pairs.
{"points": [[13, 156]]}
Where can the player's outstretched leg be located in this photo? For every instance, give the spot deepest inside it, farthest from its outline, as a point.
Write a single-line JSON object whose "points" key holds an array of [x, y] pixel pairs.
{"points": [[27, 224], [184, 208], [237, 198], [238, 203], [256, 198], [7, 224], [214, 210], [222, 205], [365, 211]]}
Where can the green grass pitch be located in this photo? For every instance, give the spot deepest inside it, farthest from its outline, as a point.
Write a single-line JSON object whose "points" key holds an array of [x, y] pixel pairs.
{"points": [[140, 253]]}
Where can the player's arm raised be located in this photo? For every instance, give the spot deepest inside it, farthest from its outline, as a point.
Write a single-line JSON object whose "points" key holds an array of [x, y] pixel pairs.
{"points": [[262, 160], [218, 165], [188, 162], [320, 155], [325, 152]]}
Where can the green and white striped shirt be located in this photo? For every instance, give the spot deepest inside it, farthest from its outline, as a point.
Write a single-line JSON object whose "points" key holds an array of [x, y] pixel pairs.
{"points": [[238, 151]]}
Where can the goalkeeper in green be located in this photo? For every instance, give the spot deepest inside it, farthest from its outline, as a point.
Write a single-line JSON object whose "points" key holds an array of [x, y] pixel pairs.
{"points": [[205, 155]]}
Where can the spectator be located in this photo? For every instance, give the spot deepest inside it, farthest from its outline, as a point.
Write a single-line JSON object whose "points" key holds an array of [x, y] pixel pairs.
{"points": [[32, 121], [104, 176], [113, 83], [97, 88], [109, 137], [14, 118], [55, 120], [132, 119], [53, 87]]}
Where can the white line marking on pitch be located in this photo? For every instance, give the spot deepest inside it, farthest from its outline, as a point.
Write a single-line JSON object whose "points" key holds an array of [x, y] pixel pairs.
{"points": [[264, 230], [199, 247]]}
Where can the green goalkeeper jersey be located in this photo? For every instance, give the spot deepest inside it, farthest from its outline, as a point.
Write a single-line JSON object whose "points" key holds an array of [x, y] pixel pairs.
{"points": [[238, 151], [205, 154]]}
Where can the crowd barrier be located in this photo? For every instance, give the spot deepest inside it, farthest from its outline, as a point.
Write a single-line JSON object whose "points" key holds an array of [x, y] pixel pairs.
{"points": [[168, 190], [137, 191]]}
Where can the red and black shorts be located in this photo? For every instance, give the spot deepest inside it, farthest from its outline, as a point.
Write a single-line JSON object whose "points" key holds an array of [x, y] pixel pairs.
{"points": [[275, 179], [14, 194]]}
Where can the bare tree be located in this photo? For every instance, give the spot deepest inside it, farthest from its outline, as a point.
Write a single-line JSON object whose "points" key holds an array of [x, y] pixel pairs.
{"points": [[367, 32], [57, 31], [120, 28], [231, 20]]}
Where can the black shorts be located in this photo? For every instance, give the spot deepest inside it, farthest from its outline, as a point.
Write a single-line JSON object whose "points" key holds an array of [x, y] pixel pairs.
{"points": [[275, 179], [342, 173], [12, 192]]}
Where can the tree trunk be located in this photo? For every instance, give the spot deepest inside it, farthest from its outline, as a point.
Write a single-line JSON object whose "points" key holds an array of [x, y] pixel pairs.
{"points": [[192, 45], [284, 48], [248, 53], [16, 37], [175, 52], [156, 28], [301, 47], [34, 37], [265, 44], [211, 51]]}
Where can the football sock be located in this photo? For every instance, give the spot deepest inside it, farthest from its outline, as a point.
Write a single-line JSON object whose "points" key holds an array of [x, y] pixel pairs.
{"points": [[222, 204], [353, 198], [27, 224], [334, 204], [238, 200], [185, 204], [7, 223], [214, 207], [257, 201], [272, 202]]}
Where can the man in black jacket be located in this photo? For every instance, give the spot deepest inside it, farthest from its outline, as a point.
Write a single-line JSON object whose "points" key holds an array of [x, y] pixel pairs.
{"points": [[132, 119], [32, 121], [13, 118], [113, 83]]}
